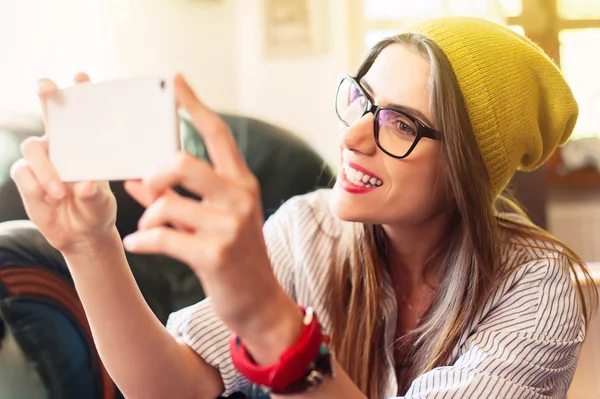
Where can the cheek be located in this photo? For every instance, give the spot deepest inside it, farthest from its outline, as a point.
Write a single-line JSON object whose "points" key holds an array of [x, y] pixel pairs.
{"points": [[415, 190], [419, 188]]}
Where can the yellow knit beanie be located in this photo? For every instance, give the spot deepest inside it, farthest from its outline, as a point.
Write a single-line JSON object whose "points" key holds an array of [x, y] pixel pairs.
{"points": [[520, 106]]}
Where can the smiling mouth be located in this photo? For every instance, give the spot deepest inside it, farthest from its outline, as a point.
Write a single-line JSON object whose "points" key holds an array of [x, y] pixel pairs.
{"points": [[359, 178]]}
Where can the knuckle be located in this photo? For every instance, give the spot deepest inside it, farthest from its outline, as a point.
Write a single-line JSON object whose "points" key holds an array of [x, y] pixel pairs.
{"points": [[183, 161], [247, 204], [229, 233], [161, 204], [244, 209], [253, 185], [218, 256], [182, 164], [236, 226], [156, 211], [29, 144], [157, 237]]}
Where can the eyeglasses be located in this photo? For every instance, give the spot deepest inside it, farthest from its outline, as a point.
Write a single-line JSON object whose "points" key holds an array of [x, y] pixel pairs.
{"points": [[396, 132]]}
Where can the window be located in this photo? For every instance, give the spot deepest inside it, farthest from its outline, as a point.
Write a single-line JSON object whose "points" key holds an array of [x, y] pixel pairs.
{"points": [[579, 9], [40, 38], [580, 62], [571, 36], [384, 17]]}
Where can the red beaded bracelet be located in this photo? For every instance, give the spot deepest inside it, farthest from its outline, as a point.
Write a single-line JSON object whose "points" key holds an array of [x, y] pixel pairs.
{"points": [[301, 367]]}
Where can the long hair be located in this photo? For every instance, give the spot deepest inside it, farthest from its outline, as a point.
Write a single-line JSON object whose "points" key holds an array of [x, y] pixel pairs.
{"points": [[470, 257]]}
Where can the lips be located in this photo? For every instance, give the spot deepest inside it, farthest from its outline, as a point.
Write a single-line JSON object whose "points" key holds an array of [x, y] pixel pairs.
{"points": [[356, 179], [361, 176]]}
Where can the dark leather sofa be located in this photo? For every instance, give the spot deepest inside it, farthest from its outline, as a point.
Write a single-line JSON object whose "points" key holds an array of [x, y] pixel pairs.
{"points": [[40, 308]]}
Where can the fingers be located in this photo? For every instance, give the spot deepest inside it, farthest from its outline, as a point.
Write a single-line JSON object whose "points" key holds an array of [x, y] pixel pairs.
{"points": [[220, 144], [85, 190], [46, 89], [194, 175], [139, 192], [185, 213], [177, 244], [35, 151], [27, 184], [181, 245], [82, 77]]}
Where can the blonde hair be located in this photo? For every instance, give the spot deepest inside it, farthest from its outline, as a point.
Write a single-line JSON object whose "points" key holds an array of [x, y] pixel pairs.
{"points": [[470, 257]]}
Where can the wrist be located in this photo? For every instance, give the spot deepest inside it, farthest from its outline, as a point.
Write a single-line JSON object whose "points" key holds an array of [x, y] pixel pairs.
{"points": [[300, 368], [93, 247], [278, 328]]}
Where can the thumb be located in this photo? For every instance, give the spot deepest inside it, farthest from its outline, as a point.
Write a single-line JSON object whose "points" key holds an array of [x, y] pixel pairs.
{"points": [[90, 191]]}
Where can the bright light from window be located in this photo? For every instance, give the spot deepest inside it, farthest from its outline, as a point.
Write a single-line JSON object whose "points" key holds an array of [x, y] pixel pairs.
{"points": [[579, 9], [580, 62], [399, 9], [375, 36], [41, 38], [518, 29], [416, 10]]}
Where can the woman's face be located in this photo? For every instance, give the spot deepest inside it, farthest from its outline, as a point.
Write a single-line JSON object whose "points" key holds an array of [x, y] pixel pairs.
{"points": [[412, 189]]}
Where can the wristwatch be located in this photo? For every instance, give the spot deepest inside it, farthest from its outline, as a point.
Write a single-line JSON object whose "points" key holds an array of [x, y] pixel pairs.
{"points": [[300, 368]]}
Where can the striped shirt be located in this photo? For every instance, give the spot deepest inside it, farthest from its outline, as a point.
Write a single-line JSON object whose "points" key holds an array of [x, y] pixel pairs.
{"points": [[523, 343]]}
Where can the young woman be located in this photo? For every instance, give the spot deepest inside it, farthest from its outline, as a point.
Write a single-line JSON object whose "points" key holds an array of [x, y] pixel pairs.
{"points": [[429, 283]]}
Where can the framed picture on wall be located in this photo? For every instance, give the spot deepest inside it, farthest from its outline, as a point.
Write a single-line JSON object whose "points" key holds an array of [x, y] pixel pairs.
{"points": [[295, 28]]}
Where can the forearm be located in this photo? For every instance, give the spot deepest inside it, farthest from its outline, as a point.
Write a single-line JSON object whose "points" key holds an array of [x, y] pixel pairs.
{"points": [[143, 359], [338, 387]]}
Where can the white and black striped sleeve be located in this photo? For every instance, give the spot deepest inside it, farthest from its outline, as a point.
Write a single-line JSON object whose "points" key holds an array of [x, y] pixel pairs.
{"points": [[526, 346], [202, 330]]}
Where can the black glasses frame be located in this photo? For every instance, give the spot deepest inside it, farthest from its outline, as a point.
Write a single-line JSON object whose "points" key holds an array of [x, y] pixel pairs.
{"points": [[370, 107]]}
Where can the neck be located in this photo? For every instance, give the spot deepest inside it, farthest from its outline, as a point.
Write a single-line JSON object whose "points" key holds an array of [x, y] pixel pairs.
{"points": [[411, 247]]}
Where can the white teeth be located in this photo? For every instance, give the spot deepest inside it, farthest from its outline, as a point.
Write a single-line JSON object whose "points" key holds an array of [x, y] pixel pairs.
{"points": [[360, 178]]}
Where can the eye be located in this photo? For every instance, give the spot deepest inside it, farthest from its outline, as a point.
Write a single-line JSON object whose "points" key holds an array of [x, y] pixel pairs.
{"points": [[401, 125], [405, 128]]}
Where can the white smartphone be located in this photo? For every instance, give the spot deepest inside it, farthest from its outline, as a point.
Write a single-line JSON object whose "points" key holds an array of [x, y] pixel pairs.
{"points": [[114, 130]]}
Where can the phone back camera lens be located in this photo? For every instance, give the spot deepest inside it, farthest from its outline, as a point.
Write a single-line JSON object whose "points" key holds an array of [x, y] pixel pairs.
{"points": [[162, 84]]}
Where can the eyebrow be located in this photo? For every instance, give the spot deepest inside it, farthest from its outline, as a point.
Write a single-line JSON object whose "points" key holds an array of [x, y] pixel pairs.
{"points": [[403, 108]]}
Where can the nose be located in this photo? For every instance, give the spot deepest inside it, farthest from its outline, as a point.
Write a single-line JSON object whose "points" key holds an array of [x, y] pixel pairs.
{"points": [[359, 137]]}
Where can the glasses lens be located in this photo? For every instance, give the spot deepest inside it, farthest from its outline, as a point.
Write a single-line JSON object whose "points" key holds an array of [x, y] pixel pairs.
{"points": [[350, 102], [397, 132]]}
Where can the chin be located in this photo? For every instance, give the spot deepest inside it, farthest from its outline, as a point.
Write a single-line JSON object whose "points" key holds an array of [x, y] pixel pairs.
{"points": [[347, 207]]}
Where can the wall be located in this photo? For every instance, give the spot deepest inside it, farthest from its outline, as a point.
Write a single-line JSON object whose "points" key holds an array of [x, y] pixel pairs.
{"points": [[218, 45], [111, 38], [574, 217], [42, 38], [296, 93], [156, 36]]}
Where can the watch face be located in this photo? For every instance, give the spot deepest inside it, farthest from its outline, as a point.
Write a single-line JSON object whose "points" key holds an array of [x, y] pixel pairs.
{"points": [[257, 392]]}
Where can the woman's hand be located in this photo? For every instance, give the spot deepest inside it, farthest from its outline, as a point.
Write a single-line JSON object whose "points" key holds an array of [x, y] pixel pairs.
{"points": [[219, 237], [74, 216]]}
